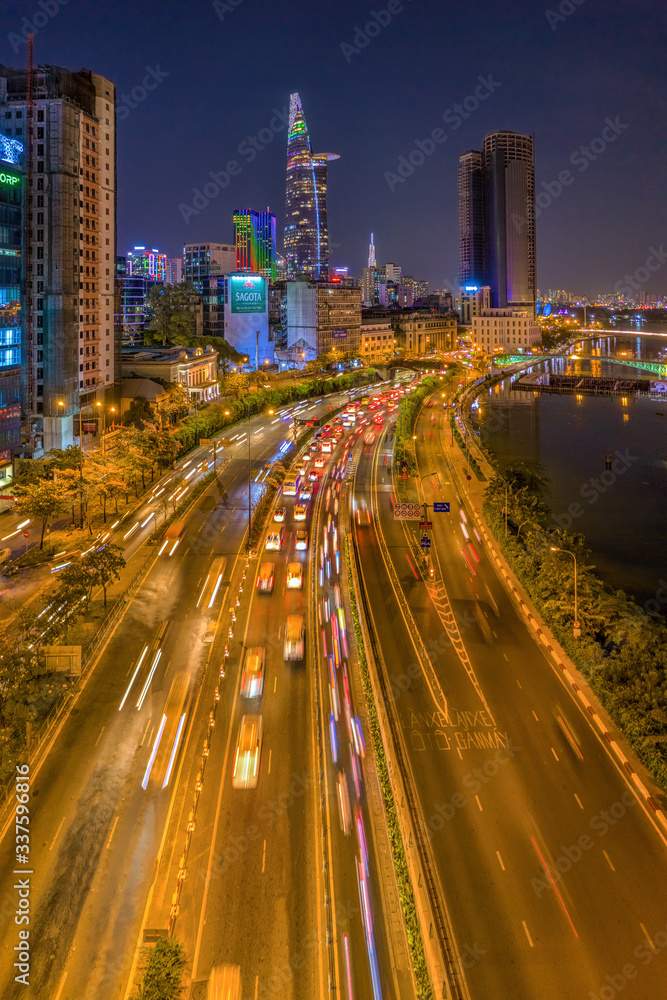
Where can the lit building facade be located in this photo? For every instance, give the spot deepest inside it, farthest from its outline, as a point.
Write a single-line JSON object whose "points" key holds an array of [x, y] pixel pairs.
{"points": [[131, 313], [174, 274], [206, 265], [143, 263], [419, 286], [321, 316], [306, 234], [195, 368], [497, 220], [255, 242], [11, 198], [473, 300], [369, 286], [70, 353], [377, 340], [513, 330]]}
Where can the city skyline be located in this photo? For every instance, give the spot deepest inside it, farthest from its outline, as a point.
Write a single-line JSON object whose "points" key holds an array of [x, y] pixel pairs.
{"points": [[614, 170]]}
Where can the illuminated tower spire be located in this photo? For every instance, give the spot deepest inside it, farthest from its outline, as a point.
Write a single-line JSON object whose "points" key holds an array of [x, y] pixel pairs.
{"points": [[371, 252], [306, 231]]}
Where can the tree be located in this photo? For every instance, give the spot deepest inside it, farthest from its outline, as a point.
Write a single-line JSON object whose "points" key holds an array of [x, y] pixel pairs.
{"points": [[171, 311], [176, 404], [104, 566], [43, 499]]}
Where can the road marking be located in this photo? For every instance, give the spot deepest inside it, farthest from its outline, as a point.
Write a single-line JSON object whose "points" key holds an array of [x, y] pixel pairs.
{"points": [[505, 655], [495, 634], [269, 770], [458, 750], [100, 736], [578, 800], [519, 683], [256, 986], [609, 861], [145, 731], [530, 940], [554, 753], [57, 832], [551, 879], [535, 715], [264, 858], [60, 988], [479, 803], [275, 681], [648, 937], [500, 860], [113, 830]]}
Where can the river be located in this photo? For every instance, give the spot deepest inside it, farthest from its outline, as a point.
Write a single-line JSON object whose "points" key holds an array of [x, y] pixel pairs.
{"points": [[622, 513]]}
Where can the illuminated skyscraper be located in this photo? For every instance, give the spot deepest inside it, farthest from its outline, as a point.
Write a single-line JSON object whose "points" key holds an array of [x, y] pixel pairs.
{"points": [[371, 252], [497, 220], [306, 230], [255, 242], [145, 263]]}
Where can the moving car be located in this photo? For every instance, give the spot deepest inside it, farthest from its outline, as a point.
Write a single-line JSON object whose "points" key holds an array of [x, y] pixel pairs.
{"points": [[319, 462], [248, 750], [295, 632], [294, 576], [302, 539], [280, 514], [265, 578], [363, 516], [252, 680], [313, 476], [306, 492], [301, 512], [274, 540]]}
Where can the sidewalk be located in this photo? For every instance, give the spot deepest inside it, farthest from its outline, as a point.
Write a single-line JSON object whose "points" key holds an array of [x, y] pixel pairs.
{"points": [[471, 492]]}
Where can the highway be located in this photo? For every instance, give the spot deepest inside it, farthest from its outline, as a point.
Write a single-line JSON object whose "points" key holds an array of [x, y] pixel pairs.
{"points": [[95, 831], [545, 857]]}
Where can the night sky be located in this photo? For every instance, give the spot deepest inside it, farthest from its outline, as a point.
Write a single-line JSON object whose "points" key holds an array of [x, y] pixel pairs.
{"points": [[224, 67]]}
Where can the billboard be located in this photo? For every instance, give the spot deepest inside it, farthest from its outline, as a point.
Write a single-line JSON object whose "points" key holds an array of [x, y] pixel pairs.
{"points": [[247, 293], [339, 333]]}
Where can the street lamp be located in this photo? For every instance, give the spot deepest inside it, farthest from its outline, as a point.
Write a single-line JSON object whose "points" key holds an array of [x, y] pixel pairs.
{"points": [[577, 624]]}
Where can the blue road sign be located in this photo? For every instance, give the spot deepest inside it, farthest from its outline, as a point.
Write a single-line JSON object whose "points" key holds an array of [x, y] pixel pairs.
{"points": [[441, 508], [425, 542]]}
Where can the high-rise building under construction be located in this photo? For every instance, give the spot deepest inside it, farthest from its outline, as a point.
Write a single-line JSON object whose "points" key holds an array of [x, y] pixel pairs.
{"points": [[306, 230], [70, 356]]}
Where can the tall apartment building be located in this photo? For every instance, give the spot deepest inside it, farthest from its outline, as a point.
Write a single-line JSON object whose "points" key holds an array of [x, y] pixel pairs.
{"points": [[131, 310], [391, 272], [419, 286], [255, 242], [321, 316], [370, 280], [70, 355], [11, 202], [205, 267], [497, 219]]}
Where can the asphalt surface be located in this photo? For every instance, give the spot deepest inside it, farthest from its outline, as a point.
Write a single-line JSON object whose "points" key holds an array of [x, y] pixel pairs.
{"points": [[547, 861]]}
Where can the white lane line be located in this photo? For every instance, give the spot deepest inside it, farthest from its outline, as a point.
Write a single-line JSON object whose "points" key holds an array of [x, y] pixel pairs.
{"points": [[113, 830], [270, 752], [505, 655], [554, 753], [648, 937], [60, 988], [530, 940], [578, 801], [500, 860], [264, 858], [100, 736], [519, 683], [275, 681], [479, 803], [145, 731], [57, 832], [609, 861], [535, 715], [458, 750], [256, 986]]}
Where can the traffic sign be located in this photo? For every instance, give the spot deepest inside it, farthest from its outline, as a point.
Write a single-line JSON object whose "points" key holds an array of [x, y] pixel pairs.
{"points": [[426, 524], [441, 508], [425, 542], [407, 511], [26, 534], [404, 475]]}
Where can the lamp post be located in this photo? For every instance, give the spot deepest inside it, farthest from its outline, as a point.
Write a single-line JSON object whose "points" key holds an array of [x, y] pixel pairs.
{"points": [[577, 624]]}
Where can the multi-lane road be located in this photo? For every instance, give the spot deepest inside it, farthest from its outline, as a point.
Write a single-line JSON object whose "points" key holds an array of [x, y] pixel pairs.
{"points": [[548, 863]]}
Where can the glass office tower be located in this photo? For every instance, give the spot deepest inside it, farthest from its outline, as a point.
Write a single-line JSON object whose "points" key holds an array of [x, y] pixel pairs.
{"points": [[255, 242]]}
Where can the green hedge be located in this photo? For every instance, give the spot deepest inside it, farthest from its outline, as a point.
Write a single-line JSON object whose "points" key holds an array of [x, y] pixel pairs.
{"points": [[406, 893], [163, 974], [408, 411]]}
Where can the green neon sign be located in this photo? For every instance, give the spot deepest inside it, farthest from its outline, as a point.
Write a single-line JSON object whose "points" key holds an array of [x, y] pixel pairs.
{"points": [[9, 179]]}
